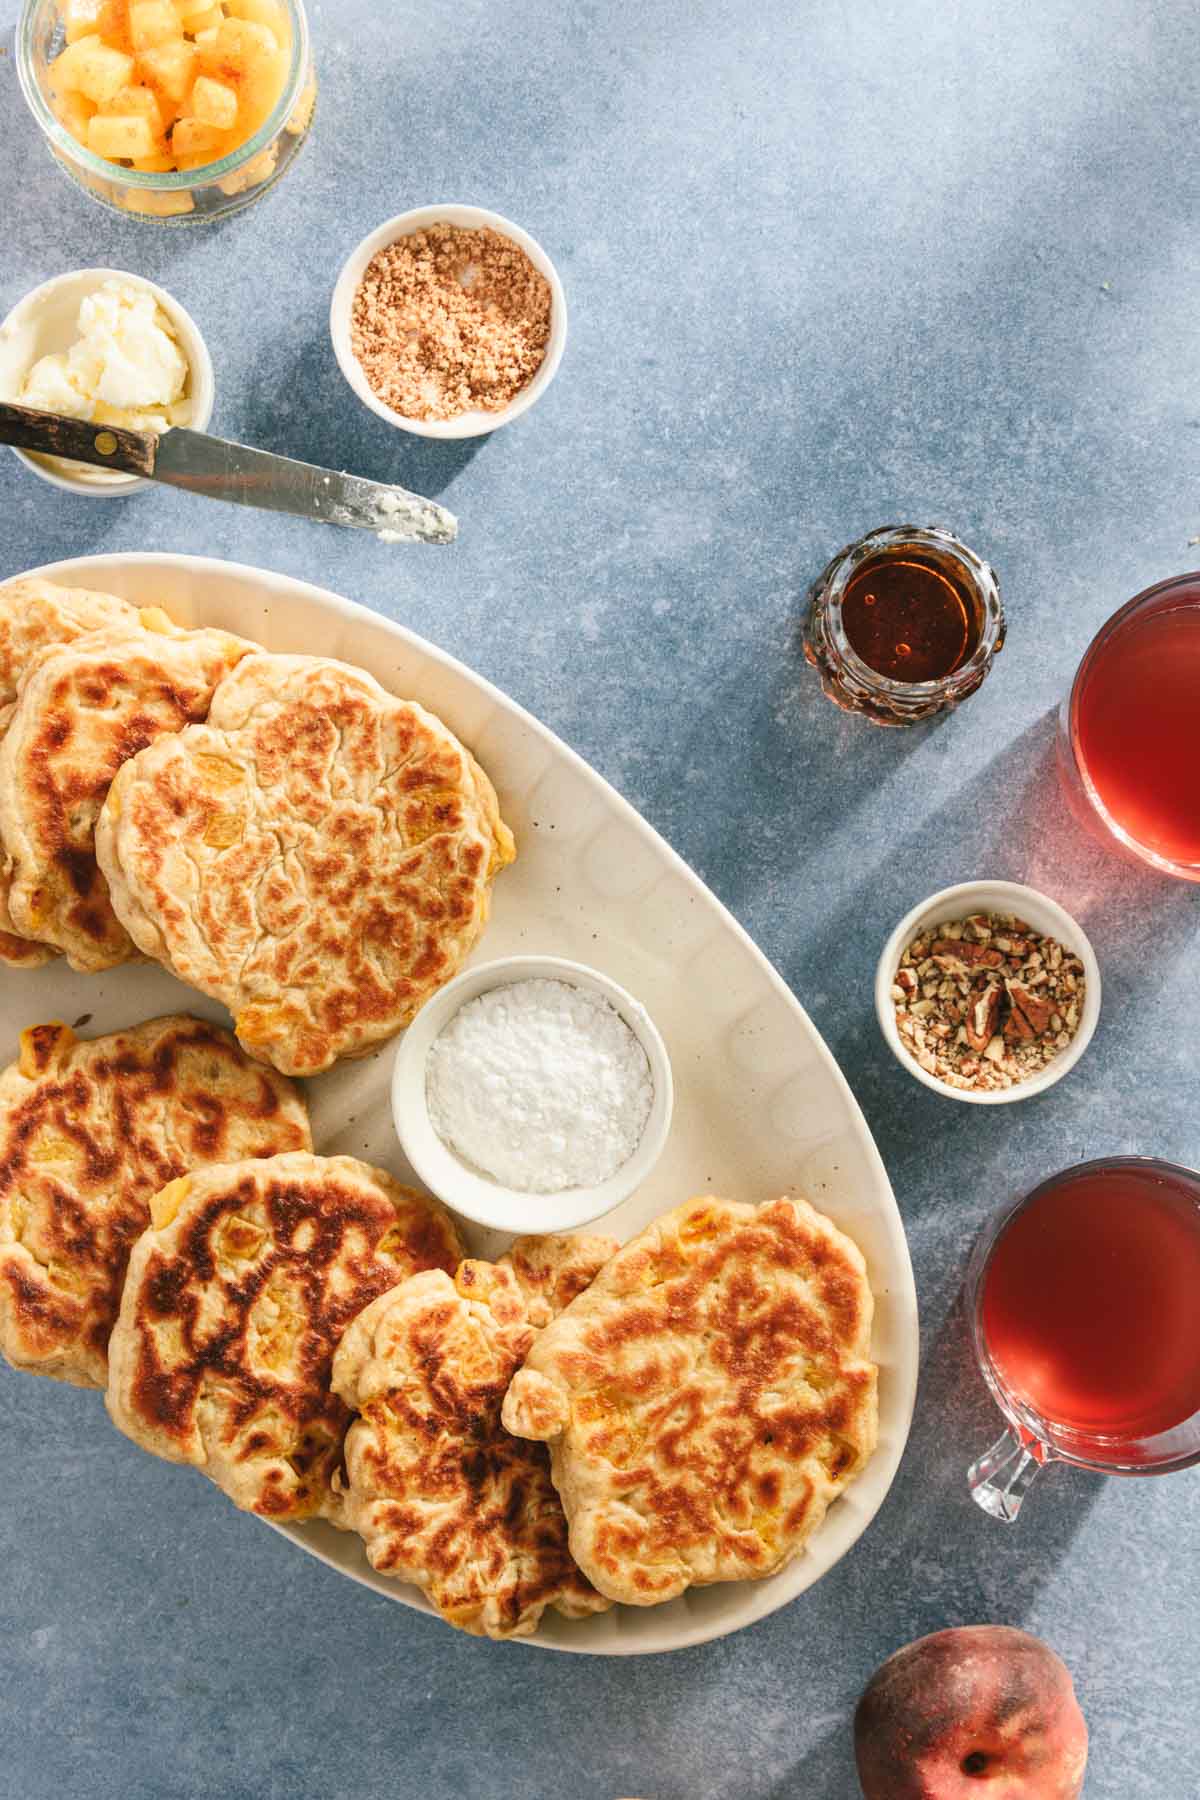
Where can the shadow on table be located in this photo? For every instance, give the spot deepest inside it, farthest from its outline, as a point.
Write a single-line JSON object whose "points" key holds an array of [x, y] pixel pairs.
{"points": [[1010, 821], [787, 756], [307, 410], [1015, 822], [808, 1776], [930, 1507]]}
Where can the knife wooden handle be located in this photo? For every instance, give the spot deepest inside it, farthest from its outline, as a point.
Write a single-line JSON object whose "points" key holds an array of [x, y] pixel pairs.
{"points": [[106, 446]]}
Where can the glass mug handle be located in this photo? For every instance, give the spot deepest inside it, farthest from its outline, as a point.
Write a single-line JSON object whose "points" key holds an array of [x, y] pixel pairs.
{"points": [[1003, 1475]]}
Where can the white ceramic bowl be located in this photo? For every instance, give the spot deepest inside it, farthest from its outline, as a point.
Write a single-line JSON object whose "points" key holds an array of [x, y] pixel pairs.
{"points": [[45, 322], [477, 1197], [1046, 916], [471, 218]]}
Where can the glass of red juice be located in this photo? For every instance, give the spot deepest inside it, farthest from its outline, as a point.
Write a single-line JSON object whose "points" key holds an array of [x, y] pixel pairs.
{"points": [[1129, 743], [1085, 1306]]}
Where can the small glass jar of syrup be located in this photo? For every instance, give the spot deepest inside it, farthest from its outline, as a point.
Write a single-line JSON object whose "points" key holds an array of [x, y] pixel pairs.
{"points": [[903, 624]]}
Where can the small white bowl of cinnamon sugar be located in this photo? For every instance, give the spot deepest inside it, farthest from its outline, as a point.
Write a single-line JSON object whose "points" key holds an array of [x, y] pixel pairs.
{"points": [[449, 321], [988, 992]]}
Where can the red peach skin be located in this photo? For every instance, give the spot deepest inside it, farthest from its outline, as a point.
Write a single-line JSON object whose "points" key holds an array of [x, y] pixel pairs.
{"points": [[980, 1713]]}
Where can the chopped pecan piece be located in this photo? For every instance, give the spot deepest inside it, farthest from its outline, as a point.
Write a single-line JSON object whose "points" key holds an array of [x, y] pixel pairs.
{"points": [[982, 1017], [1035, 1009], [1017, 1029], [964, 951]]}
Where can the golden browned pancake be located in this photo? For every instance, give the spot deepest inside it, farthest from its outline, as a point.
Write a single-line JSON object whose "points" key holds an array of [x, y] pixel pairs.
{"points": [[553, 1270], [441, 1495], [707, 1397], [234, 1303], [319, 857], [88, 1132], [35, 615], [16, 951], [83, 710]]}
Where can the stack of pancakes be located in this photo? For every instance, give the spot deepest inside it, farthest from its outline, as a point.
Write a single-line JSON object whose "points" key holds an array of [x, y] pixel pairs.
{"points": [[167, 1234], [89, 1132], [572, 1425], [308, 1334], [278, 831]]}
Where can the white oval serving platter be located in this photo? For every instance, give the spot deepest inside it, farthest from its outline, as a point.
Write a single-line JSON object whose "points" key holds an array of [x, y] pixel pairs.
{"points": [[761, 1108]]}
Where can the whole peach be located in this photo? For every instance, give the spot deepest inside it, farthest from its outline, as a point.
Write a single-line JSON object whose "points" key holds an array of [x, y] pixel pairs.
{"points": [[980, 1713]]}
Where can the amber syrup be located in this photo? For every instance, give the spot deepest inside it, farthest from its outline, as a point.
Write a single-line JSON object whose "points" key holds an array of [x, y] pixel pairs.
{"points": [[910, 617]]}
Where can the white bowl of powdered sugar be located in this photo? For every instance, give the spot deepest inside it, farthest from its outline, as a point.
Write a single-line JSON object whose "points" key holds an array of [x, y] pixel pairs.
{"points": [[532, 1094]]}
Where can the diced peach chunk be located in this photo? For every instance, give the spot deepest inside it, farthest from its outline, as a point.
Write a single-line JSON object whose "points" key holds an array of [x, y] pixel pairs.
{"points": [[251, 174], [198, 15], [239, 44], [171, 68], [262, 12], [213, 103], [91, 68], [160, 163], [192, 138], [113, 137], [248, 57], [153, 22], [81, 18], [140, 102], [88, 18], [73, 111], [162, 205]]}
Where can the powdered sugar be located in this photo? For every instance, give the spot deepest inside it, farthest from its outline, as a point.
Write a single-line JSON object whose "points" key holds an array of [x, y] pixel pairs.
{"points": [[540, 1085]]}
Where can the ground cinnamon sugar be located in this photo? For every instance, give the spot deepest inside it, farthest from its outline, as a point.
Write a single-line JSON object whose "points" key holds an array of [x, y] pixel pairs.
{"points": [[449, 320]]}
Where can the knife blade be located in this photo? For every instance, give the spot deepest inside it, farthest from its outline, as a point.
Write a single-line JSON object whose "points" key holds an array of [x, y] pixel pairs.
{"points": [[223, 470]]}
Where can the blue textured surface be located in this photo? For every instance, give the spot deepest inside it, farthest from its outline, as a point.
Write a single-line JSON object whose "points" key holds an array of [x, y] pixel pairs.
{"points": [[828, 266]]}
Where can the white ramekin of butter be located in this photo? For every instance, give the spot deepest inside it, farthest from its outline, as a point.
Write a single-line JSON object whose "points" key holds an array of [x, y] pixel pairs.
{"points": [[104, 345]]}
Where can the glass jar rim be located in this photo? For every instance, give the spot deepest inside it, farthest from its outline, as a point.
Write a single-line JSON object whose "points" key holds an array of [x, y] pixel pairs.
{"points": [[1025, 1418], [175, 180], [839, 571]]}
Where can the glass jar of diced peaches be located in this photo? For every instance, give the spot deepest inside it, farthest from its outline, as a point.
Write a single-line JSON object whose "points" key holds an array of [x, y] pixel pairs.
{"points": [[174, 110]]}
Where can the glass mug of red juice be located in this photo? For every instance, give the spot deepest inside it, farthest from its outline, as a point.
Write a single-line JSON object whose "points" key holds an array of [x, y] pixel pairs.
{"points": [[1085, 1306], [1129, 742]]}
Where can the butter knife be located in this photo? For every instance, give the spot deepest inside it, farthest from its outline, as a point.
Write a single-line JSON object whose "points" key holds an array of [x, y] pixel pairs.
{"points": [[226, 471]]}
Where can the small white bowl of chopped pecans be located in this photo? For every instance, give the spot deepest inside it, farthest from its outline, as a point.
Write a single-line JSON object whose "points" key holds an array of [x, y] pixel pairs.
{"points": [[988, 992], [448, 321]]}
